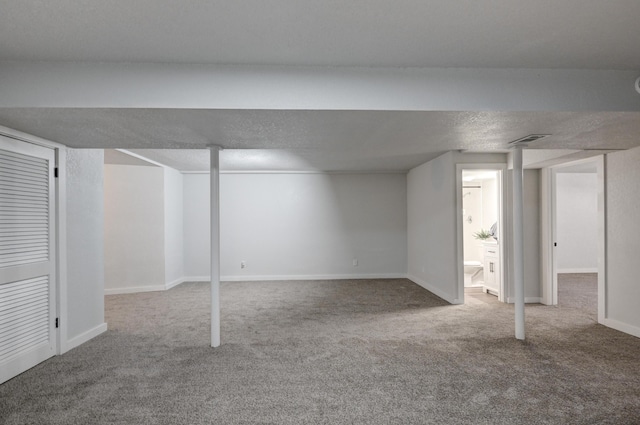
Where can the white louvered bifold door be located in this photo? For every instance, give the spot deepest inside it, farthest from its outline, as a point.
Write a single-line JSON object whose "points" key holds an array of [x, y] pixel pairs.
{"points": [[27, 257]]}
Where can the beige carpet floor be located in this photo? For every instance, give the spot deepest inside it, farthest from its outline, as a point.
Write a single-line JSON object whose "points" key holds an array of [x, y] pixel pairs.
{"points": [[337, 352]]}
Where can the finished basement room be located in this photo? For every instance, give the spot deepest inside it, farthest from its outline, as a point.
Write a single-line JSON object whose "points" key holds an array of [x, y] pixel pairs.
{"points": [[319, 212]]}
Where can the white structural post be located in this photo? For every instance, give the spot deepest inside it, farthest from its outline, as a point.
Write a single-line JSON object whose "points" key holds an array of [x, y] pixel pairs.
{"points": [[518, 242], [215, 244]]}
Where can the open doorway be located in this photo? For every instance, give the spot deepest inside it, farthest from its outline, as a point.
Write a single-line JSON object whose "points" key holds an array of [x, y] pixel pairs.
{"points": [[479, 229], [575, 235]]}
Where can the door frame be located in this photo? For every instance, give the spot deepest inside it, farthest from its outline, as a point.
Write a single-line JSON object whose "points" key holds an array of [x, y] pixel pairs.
{"points": [[60, 230], [502, 170], [549, 232]]}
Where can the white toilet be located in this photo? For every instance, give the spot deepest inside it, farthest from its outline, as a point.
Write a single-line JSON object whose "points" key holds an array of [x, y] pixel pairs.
{"points": [[472, 273]]}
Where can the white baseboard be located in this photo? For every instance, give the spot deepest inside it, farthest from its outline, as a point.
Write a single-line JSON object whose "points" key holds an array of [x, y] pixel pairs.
{"points": [[196, 279], [622, 327], [254, 278], [527, 300], [437, 291], [136, 289], [250, 278], [175, 283], [85, 336], [133, 289], [584, 270]]}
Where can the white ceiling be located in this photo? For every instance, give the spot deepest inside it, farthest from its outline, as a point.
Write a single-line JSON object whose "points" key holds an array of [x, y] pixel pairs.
{"points": [[319, 140], [587, 34], [570, 34]]}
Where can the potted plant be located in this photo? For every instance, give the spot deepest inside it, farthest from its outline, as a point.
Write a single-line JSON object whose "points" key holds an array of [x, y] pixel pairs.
{"points": [[482, 235]]}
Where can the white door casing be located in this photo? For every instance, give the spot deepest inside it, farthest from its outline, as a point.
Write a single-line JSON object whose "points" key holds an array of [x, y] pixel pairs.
{"points": [[549, 235]]}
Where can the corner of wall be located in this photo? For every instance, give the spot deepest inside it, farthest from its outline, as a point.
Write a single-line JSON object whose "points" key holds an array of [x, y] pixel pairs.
{"points": [[173, 192], [434, 290], [620, 288], [84, 246], [431, 227], [84, 337]]}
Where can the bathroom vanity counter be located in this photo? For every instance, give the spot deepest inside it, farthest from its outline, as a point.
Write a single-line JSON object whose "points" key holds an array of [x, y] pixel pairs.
{"points": [[491, 267]]}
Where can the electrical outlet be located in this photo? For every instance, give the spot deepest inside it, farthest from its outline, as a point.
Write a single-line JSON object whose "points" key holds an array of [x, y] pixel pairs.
{"points": [[243, 264], [355, 262]]}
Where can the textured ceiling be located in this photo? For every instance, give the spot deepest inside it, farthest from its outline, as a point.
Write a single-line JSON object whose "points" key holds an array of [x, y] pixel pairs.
{"points": [[392, 33], [319, 140], [571, 34]]}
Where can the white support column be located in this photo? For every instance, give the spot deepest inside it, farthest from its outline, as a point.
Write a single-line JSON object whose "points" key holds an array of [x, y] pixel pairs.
{"points": [[518, 242], [215, 244]]}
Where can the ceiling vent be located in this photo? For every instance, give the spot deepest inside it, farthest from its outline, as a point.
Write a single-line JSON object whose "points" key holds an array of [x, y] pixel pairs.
{"points": [[528, 139]]}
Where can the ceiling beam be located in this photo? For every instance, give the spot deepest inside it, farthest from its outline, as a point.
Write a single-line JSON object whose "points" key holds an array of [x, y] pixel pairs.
{"points": [[151, 85]]}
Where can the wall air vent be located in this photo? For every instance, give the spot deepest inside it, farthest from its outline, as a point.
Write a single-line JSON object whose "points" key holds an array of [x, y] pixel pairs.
{"points": [[528, 139]]}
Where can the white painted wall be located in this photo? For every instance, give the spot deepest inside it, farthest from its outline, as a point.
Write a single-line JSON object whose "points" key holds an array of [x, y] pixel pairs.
{"points": [[85, 255], [134, 246], [173, 227], [432, 222], [299, 225], [196, 226], [472, 205], [489, 203], [531, 235], [623, 234], [577, 222], [531, 221], [431, 227]]}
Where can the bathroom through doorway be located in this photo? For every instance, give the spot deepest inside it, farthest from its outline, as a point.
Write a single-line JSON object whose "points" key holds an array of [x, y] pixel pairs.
{"points": [[480, 225]]}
